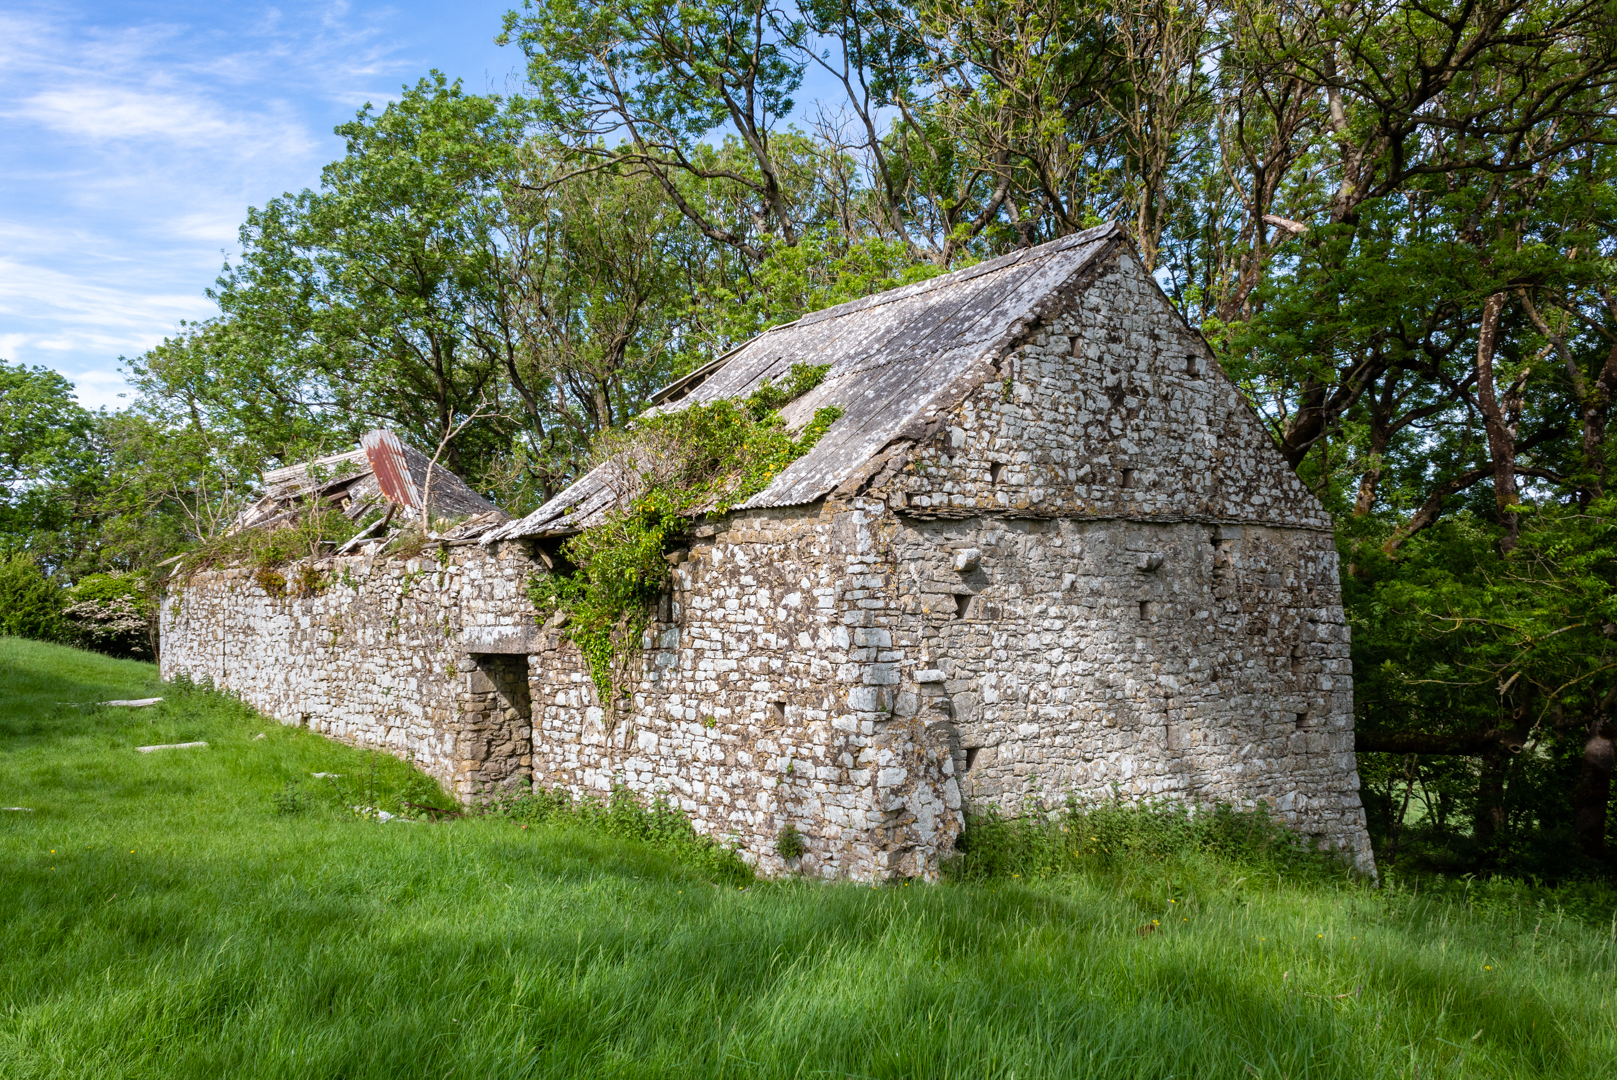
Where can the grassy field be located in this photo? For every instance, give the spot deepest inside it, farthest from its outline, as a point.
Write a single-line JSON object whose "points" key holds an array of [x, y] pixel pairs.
{"points": [[219, 912]]}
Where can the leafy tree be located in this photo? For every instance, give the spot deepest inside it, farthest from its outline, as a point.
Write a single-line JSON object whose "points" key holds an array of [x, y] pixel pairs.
{"points": [[597, 275], [47, 459], [377, 298], [30, 602], [668, 75], [818, 272]]}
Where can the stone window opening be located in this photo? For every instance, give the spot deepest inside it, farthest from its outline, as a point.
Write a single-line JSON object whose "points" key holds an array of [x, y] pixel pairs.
{"points": [[995, 471], [1145, 610], [777, 712], [547, 550], [971, 756], [962, 605], [1302, 720], [1193, 366], [1128, 478]]}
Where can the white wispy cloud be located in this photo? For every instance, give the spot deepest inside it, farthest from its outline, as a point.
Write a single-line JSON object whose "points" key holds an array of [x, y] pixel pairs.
{"points": [[130, 152], [29, 291], [107, 113]]}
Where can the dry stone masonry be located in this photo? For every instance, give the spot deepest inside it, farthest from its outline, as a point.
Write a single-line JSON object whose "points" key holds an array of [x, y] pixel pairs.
{"points": [[1048, 552]]}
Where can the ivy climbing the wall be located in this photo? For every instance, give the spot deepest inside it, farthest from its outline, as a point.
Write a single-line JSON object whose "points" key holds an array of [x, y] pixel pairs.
{"points": [[668, 468]]}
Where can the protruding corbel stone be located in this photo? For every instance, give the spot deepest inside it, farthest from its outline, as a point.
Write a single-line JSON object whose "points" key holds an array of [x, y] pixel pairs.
{"points": [[1149, 563], [967, 559]]}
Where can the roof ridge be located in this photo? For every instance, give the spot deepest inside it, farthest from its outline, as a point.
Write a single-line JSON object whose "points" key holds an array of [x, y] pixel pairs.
{"points": [[954, 277]]}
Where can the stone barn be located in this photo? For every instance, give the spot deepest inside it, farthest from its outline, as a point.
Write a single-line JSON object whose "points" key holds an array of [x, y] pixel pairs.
{"points": [[1048, 549]]}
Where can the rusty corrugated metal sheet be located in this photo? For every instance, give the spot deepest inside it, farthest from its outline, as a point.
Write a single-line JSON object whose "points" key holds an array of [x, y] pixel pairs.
{"points": [[386, 456], [898, 360]]}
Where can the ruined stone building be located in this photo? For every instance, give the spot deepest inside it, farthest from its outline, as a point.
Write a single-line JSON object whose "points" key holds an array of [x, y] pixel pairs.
{"points": [[1048, 549]]}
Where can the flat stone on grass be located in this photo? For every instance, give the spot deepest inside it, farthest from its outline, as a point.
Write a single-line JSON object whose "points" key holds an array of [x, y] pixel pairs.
{"points": [[171, 746]]}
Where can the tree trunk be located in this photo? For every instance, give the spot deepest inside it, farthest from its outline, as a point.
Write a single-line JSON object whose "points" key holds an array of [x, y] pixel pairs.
{"points": [[1397, 824], [1595, 408], [1490, 817], [1495, 421], [1592, 792], [1375, 464]]}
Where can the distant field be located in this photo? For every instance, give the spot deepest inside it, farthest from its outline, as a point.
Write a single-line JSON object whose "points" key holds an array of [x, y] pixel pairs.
{"points": [[220, 913]]}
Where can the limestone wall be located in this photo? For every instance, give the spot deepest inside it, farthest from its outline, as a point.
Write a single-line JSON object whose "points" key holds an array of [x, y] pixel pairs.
{"points": [[836, 668], [1186, 661], [1156, 606], [757, 703], [370, 651], [764, 699], [1113, 410]]}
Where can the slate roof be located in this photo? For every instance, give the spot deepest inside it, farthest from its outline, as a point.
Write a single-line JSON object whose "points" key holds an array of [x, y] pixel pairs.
{"points": [[899, 360]]}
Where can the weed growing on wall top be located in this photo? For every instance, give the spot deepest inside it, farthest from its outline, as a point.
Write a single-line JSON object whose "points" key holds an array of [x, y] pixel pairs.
{"points": [[667, 469], [267, 550]]}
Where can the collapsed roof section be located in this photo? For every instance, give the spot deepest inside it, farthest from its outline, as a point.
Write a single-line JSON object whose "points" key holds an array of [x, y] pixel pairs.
{"points": [[381, 472], [899, 361]]}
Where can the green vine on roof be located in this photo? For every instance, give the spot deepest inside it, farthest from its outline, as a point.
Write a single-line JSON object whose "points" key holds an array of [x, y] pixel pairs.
{"points": [[669, 468]]}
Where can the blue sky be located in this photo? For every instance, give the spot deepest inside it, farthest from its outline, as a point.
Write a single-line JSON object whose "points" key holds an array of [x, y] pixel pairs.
{"points": [[133, 136]]}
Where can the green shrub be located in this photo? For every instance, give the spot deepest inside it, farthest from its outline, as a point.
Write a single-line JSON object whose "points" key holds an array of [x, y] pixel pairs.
{"points": [[309, 535], [789, 843], [111, 613], [30, 603], [702, 459], [289, 800]]}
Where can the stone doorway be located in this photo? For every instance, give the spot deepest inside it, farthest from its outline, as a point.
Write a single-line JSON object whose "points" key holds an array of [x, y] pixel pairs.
{"points": [[494, 748]]}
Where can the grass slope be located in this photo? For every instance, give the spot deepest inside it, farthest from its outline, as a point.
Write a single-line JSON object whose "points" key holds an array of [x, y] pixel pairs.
{"points": [[162, 918]]}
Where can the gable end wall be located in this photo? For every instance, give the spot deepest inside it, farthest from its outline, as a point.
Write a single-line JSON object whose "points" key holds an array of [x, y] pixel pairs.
{"points": [[1112, 409], [1153, 607]]}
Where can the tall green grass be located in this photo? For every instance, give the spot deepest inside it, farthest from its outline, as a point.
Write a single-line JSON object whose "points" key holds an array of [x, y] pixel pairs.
{"points": [[217, 913]]}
